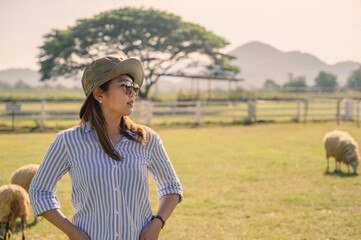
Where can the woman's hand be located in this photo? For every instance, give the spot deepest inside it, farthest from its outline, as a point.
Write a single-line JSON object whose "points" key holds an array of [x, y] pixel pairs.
{"points": [[56, 217], [151, 231], [78, 235]]}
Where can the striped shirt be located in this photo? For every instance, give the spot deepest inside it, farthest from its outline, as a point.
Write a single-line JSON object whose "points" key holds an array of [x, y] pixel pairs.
{"points": [[110, 198]]}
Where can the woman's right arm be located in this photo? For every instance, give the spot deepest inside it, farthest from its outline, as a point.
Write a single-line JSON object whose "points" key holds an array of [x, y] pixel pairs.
{"points": [[58, 219], [43, 187]]}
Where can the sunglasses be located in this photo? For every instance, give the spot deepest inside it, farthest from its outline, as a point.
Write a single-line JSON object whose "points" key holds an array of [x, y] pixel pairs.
{"points": [[129, 86]]}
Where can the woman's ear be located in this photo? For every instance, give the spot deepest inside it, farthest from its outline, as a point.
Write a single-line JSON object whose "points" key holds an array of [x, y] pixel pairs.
{"points": [[98, 94]]}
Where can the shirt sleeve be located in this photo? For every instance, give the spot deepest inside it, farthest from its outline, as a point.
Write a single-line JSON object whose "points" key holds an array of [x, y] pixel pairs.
{"points": [[163, 173], [52, 169]]}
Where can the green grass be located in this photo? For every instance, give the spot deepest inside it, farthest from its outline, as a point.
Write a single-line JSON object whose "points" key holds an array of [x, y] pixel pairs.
{"points": [[263, 181]]}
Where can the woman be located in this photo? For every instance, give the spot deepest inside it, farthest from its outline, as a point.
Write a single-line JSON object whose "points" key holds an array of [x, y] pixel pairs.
{"points": [[108, 158]]}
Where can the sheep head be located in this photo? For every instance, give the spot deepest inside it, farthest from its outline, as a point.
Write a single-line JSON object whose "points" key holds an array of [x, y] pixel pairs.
{"points": [[353, 159]]}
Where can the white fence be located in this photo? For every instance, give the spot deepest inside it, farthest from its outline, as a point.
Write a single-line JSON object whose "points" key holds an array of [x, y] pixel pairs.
{"points": [[200, 111]]}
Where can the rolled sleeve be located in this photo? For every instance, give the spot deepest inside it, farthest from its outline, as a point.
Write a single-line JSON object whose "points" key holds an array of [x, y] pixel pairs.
{"points": [[43, 186], [163, 172]]}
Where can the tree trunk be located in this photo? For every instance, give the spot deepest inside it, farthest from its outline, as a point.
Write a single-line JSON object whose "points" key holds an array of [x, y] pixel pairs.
{"points": [[143, 94]]}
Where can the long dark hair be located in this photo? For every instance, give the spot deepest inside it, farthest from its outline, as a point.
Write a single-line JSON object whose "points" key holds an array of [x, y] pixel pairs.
{"points": [[93, 114]]}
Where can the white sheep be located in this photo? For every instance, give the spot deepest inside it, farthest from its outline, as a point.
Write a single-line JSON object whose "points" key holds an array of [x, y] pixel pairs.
{"points": [[343, 148], [14, 203], [23, 175]]}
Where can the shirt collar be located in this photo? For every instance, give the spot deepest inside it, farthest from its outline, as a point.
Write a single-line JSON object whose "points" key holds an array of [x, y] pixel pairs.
{"points": [[86, 129]]}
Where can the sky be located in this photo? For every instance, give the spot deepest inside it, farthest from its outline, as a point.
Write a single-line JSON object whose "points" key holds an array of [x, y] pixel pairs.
{"points": [[327, 29]]}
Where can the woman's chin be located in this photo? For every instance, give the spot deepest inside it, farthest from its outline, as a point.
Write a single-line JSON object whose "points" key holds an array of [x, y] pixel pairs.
{"points": [[129, 112]]}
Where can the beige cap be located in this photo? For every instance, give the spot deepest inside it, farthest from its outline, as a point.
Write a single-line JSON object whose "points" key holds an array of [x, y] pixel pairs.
{"points": [[105, 69]]}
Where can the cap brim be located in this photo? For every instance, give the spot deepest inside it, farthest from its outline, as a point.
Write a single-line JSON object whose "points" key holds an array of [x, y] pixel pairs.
{"points": [[131, 66]]}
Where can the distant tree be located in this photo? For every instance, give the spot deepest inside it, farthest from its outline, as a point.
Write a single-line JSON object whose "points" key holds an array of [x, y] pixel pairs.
{"points": [[4, 86], [354, 81], [21, 85], [326, 81], [46, 86], [270, 85], [158, 38], [290, 77], [297, 84], [60, 87]]}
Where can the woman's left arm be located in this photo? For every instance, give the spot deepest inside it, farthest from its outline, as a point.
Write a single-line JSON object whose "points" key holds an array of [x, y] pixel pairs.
{"points": [[166, 206]]}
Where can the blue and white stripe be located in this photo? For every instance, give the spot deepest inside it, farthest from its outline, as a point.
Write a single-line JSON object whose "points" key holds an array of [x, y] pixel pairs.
{"points": [[110, 198]]}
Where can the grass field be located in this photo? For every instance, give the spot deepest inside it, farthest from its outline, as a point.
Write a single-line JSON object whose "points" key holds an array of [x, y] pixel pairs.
{"points": [[264, 181]]}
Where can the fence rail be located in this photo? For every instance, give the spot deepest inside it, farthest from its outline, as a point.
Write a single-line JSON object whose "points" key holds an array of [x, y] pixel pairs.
{"points": [[147, 111]]}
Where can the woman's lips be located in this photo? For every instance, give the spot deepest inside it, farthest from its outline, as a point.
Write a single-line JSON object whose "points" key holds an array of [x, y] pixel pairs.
{"points": [[131, 103]]}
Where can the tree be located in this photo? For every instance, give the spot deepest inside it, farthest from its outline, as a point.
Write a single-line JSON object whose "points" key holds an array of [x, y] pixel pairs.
{"points": [[354, 81], [270, 85], [297, 84], [4, 85], [158, 38], [22, 85], [326, 81]]}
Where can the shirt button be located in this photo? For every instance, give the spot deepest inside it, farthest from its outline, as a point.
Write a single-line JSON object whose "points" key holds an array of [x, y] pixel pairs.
{"points": [[116, 234], [116, 212], [115, 189]]}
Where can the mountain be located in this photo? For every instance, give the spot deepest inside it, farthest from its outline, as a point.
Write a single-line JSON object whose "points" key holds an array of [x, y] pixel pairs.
{"points": [[32, 78], [259, 61]]}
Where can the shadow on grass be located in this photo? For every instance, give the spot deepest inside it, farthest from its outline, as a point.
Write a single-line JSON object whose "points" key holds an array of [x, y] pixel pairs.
{"points": [[339, 174], [18, 227]]}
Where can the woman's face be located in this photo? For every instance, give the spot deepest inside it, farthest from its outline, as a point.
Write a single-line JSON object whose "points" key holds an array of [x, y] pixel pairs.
{"points": [[115, 101]]}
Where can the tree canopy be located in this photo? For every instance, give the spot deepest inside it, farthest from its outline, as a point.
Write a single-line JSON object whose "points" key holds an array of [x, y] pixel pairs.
{"points": [[297, 84], [270, 85], [157, 38], [326, 81], [354, 81]]}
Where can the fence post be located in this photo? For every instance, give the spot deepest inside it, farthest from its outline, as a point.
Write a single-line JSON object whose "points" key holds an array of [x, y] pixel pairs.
{"points": [[149, 112], [174, 108], [358, 113], [199, 112], [305, 111], [43, 115], [298, 117], [252, 111], [348, 110], [338, 110]]}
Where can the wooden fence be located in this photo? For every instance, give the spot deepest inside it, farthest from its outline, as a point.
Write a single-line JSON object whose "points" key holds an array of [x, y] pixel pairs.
{"points": [[200, 111]]}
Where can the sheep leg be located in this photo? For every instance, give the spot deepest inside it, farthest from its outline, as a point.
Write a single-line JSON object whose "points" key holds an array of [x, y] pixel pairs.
{"points": [[336, 166], [7, 231], [23, 227]]}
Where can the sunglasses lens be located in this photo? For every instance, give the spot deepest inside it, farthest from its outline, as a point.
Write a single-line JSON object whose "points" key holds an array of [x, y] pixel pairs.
{"points": [[128, 89], [136, 89], [129, 86]]}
